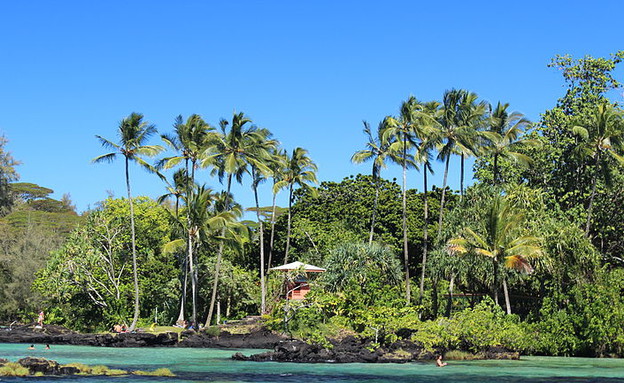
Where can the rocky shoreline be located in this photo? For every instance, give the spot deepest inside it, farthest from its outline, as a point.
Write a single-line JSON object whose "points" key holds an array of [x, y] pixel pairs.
{"points": [[350, 349]]}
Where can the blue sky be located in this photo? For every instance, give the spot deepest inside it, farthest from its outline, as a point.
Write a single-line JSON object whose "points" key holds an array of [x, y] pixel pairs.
{"points": [[310, 71]]}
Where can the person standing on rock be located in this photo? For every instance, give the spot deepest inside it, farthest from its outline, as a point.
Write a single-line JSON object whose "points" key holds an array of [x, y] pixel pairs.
{"points": [[40, 319]]}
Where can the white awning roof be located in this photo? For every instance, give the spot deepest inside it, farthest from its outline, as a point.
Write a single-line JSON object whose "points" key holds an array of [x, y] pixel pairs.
{"points": [[298, 266]]}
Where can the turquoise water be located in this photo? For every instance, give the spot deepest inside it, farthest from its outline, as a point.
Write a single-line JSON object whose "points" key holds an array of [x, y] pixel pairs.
{"points": [[214, 365]]}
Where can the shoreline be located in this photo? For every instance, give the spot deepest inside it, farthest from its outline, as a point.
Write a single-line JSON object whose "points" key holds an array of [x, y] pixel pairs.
{"points": [[349, 349]]}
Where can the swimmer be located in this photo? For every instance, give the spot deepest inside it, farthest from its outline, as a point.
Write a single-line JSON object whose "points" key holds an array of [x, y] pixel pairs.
{"points": [[439, 361]]}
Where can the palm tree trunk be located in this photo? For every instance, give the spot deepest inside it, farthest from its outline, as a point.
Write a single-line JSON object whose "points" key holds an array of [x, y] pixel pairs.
{"points": [[193, 272], [215, 284], [180, 320], [506, 292], [495, 175], [446, 166], [495, 287], [591, 204], [408, 292], [290, 191], [425, 237], [262, 281], [449, 302], [135, 276], [272, 232], [375, 203], [461, 178]]}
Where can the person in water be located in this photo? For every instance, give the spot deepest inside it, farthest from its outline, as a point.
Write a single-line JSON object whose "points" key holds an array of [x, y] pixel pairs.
{"points": [[47, 347], [439, 361], [32, 347]]}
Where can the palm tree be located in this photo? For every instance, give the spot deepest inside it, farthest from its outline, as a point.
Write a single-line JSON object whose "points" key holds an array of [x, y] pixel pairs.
{"points": [[278, 168], [301, 171], [190, 141], [232, 153], [472, 117], [178, 190], [504, 138], [423, 156], [377, 150], [601, 141], [133, 133], [402, 135], [456, 134], [502, 241], [262, 156]]}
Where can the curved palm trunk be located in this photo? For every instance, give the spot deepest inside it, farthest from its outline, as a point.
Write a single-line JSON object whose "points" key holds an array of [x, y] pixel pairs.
{"points": [[495, 287], [215, 284], [262, 281], [408, 292], [180, 320], [193, 272], [506, 292], [135, 276], [446, 166], [272, 232], [425, 237], [290, 192], [375, 203]]}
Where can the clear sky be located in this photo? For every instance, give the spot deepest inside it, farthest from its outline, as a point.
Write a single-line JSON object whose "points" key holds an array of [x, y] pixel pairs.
{"points": [[309, 71]]}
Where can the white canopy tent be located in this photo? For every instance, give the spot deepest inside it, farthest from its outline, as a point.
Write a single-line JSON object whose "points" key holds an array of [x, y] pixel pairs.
{"points": [[299, 266]]}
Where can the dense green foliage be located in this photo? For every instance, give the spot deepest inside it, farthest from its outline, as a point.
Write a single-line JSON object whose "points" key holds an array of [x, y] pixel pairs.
{"points": [[530, 257]]}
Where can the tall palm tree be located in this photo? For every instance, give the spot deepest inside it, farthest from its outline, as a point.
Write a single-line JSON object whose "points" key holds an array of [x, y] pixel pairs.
{"points": [[504, 138], [502, 241], [278, 168], [601, 141], [191, 139], [262, 156], [232, 153], [377, 150], [402, 135], [178, 191], [423, 156], [456, 135], [301, 171], [133, 134], [472, 117]]}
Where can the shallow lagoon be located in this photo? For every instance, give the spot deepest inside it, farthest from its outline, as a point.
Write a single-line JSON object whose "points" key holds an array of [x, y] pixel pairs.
{"points": [[214, 365]]}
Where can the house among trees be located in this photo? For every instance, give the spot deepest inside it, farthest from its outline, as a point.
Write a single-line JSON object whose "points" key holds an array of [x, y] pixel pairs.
{"points": [[297, 287]]}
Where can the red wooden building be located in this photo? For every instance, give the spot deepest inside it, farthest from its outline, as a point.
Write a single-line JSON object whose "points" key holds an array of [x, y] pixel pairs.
{"points": [[297, 287]]}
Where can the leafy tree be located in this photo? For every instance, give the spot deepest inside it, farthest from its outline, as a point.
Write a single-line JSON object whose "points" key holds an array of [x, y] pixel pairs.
{"points": [[7, 175], [133, 133]]}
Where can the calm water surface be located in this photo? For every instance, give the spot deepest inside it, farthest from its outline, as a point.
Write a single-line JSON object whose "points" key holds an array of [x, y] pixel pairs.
{"points": [[213, 365]]}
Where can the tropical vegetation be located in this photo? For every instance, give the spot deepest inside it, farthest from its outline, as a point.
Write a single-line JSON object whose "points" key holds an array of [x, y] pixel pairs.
{"points": [[529, 257]]}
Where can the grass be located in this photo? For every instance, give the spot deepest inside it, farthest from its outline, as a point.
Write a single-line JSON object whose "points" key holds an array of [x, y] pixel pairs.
{"points": [[13, 369]]}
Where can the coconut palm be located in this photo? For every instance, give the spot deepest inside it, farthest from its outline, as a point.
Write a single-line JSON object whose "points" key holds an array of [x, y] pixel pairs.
{"points": [[262, 156], [377, 150], [301, 171], [471, 118], [133, 134], [601, 142], [231, 155], [423, 156], [278, 168], [190, 141], [504, 138], [402, 135], [502, 240], [456, 134], [178, 190]]}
